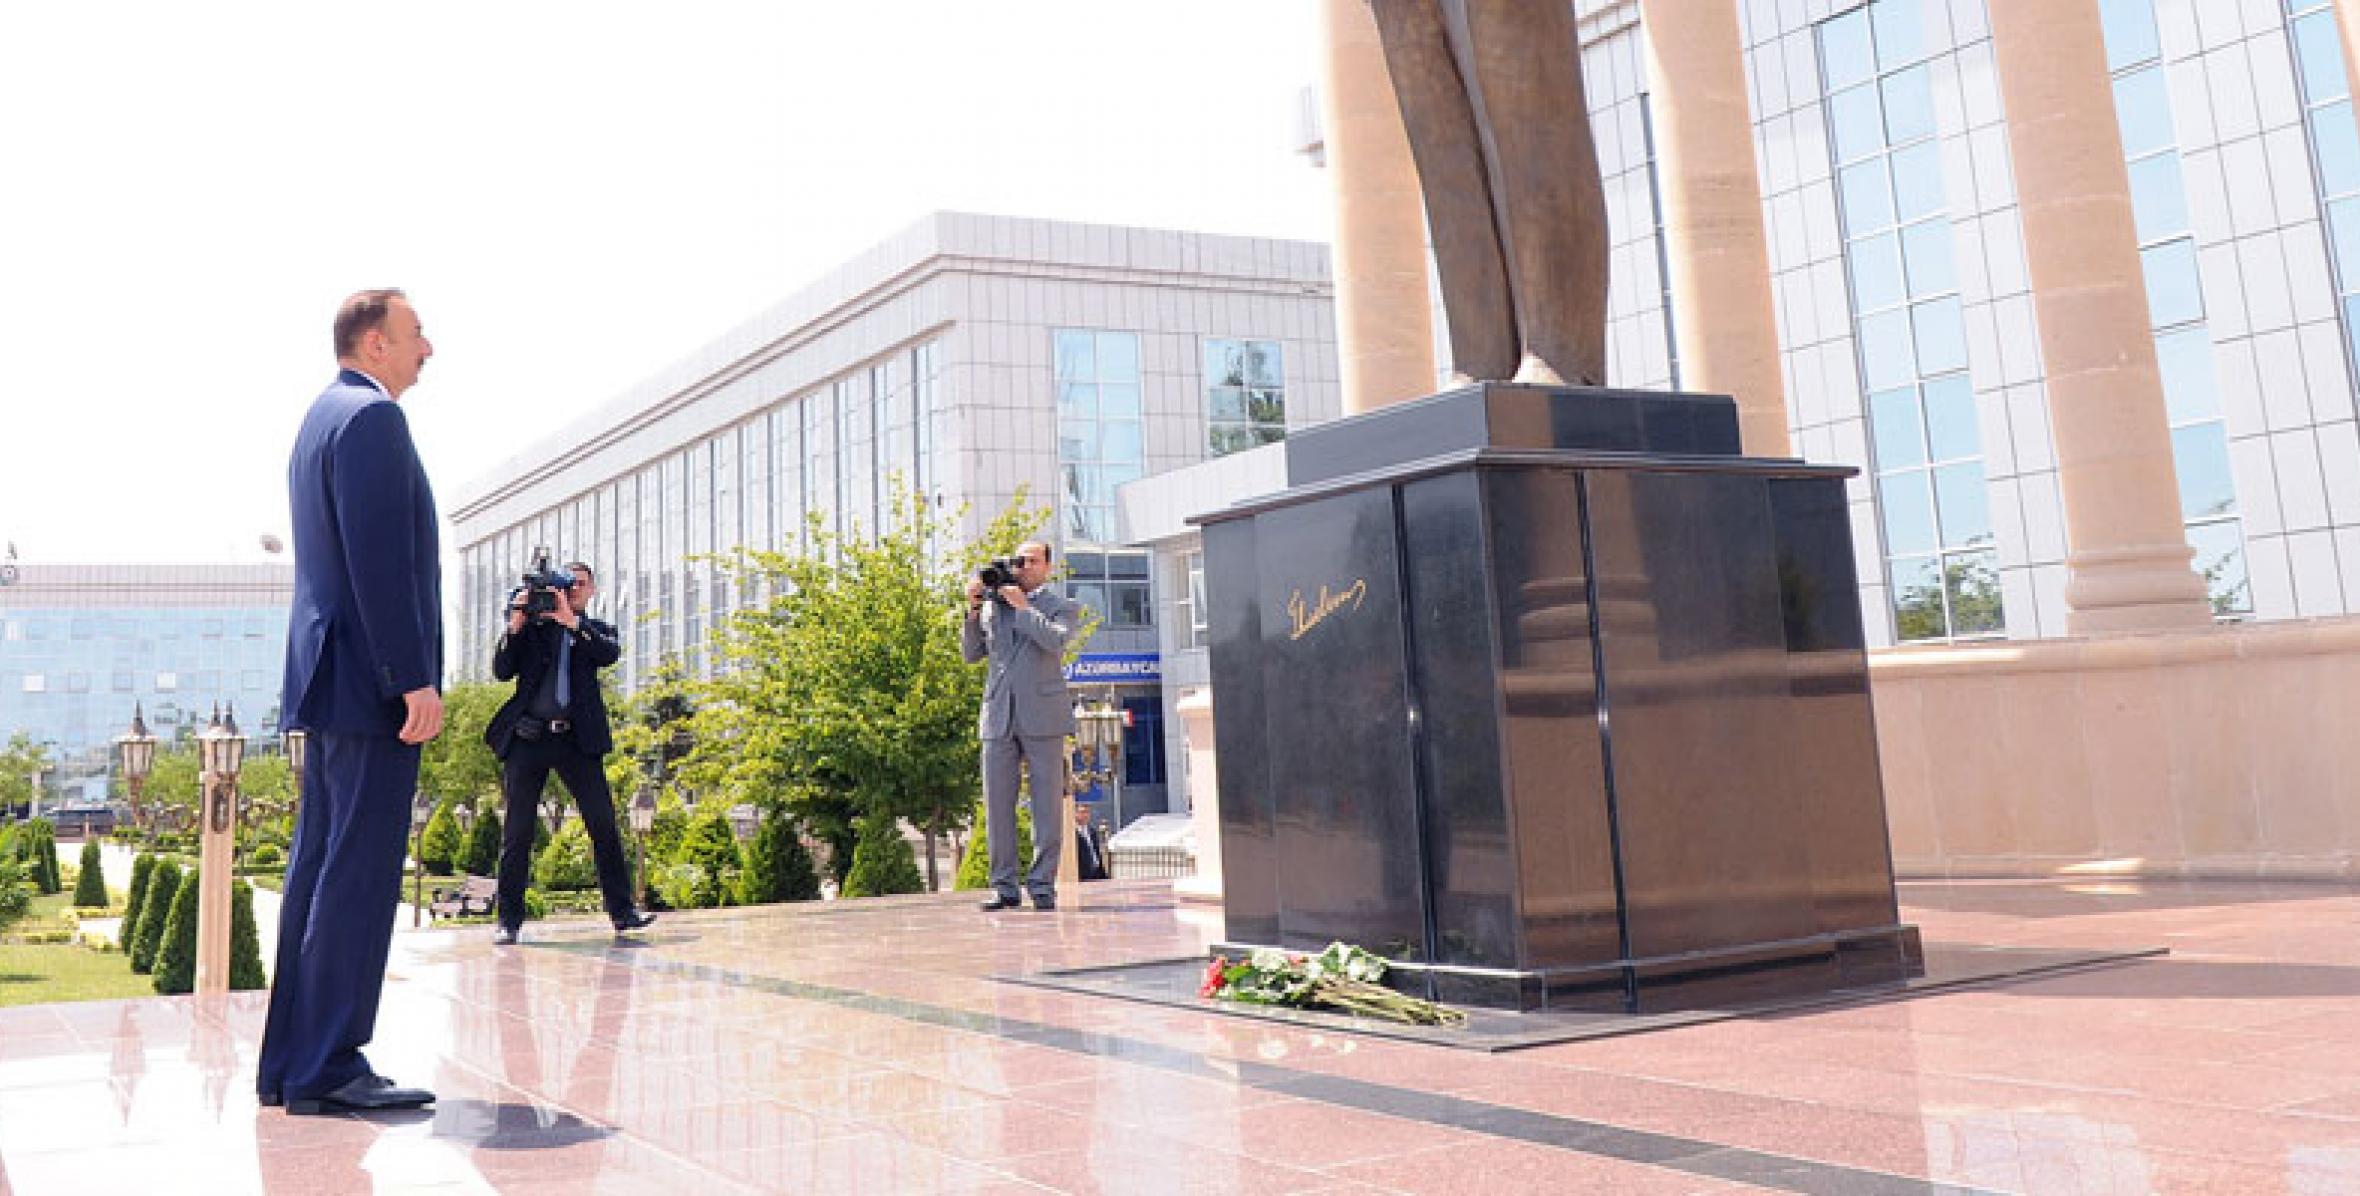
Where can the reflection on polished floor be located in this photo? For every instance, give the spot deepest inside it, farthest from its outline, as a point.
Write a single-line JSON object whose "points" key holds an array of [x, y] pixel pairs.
{"points": [[862, 1048]]}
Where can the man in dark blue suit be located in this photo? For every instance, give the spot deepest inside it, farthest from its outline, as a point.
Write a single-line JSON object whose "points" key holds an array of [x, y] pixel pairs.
{"points": [[556, 722], [364, 675]]}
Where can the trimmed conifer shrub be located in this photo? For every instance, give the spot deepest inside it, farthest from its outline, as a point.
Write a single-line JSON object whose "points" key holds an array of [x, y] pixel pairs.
{"points": [[710, 848], [975, 866], [163, 890], [438, 850], [176, 955], [143, 869], [567, 865], [882, 861], [16, 894], [481, 856], [90, 888], [778, 866], [245, 941]]}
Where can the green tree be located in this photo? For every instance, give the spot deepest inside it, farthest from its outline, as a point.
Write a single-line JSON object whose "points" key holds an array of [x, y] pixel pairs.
{"points": [[567, 864], [458, 765], [975, 867], [20, 758], [163, 890], [481, 855], [710, 848], [438, 849], [845, 693], [882, 863], [36, 847], [245, 941], [16, 895], [90, 888], [778, 866], [143, 869], [176, 955]]}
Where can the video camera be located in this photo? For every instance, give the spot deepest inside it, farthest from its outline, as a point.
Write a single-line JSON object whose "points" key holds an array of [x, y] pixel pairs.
{"points": [[537, 598], [996, 573]]}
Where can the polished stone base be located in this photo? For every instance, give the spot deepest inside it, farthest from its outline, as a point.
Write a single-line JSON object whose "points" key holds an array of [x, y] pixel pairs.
{"points": [[1566, 724]]}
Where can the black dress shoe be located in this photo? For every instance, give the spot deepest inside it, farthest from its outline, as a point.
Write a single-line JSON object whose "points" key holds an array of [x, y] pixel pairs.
{"points": [[996, 904], [1048, 906], [637, 919], [270, 1100], [366, 1094], [504, 937]]}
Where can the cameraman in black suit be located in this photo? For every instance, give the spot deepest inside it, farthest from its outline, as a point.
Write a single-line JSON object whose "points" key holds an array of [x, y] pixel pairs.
{"points": [[557, 721]]}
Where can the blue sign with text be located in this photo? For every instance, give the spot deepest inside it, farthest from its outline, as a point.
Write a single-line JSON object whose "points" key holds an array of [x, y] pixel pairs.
{"points": [[1112, 668]]}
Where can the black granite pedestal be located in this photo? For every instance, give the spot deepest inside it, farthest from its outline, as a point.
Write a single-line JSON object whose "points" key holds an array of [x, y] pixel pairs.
{"points": [[1556, 700]]}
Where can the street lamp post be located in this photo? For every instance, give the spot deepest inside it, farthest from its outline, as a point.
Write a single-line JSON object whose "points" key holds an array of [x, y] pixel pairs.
{"points": [[137, 751], [421, 811], [221, 750], [643, 820]]}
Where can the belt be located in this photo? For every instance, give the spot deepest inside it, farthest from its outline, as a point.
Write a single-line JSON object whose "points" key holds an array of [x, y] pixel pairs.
{"points": [[559, 726]]}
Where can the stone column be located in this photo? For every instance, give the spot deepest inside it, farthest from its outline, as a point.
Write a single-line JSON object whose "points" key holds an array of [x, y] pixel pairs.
{"points": [[1384, 315], [1723, 318], [1204, 799], [216, 833], [2127, 556]]}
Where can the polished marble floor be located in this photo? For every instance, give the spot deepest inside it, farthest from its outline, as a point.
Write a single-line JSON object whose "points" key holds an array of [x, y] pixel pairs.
{"points": [[863, 1048]]}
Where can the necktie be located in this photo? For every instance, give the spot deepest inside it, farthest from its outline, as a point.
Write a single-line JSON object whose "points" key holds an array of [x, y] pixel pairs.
{"points": [[565, 678]]}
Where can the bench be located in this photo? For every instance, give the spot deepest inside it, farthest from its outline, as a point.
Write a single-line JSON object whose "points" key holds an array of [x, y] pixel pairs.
{"points": [[475, 895]]}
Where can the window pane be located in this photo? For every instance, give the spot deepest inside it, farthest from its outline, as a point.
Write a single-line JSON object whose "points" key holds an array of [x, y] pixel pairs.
{"points": [[1131, 608], [2343, 235], [1075, 441], [2190, 391], [1844, 49], [1091, 594], [1867, 205], [1885, 359], [1909, 106], [1951, 430], [2158, 203], [1118, 402], [1229, 404], [2220, 557], [1901, 34], [1973, 580], [1127, 564], [1907, 504], [2130, 31], [1917, 182], [2337, 142], [1932, 269], [1077, 400], [1266, 363], [2144, 109], [1876, 273], [2173, 294], [1917, 600], [2321, 54], [1266, 407], [1964, 503], [1941, 336], [1118, 356], [2200, 455], [1075, 358], [1893, 420], [1225, 363], [1858, 124], [1119, 441]]}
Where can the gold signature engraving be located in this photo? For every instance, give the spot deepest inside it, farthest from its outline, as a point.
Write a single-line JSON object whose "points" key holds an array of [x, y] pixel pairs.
{"points": [[1306, 617]]}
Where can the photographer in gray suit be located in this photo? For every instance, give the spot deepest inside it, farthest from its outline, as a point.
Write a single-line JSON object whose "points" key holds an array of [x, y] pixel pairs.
{"points": [[1021, 628]]}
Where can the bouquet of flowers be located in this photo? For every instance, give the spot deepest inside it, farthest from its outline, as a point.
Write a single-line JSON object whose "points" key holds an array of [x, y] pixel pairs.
{"points": [[1343, 977]]}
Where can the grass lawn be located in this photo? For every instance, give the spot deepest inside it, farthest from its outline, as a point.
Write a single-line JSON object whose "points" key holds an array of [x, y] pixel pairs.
{"points": [[39, 975]]}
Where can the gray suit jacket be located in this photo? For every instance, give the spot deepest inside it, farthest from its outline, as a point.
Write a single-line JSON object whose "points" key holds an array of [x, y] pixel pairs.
{"points": [[1024, 690]]}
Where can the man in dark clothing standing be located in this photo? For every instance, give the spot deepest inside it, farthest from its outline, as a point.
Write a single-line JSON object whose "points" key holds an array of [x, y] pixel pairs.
{"points": [[556, 721]]}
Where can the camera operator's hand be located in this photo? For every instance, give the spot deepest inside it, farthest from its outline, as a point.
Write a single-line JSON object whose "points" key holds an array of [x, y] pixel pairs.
{"points": [[564, 613], [974, 592], [516, 619], [1013, 595]]}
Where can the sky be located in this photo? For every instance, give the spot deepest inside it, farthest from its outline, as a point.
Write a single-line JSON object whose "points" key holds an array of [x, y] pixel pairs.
{"points": [[573, 194]]}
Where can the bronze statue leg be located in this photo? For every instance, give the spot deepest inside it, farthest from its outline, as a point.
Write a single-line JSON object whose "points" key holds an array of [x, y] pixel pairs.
{"points": [[1443, 139], [1521, 60]]}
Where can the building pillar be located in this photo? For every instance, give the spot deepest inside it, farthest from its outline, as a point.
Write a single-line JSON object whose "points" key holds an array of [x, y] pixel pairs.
{"points": [[1723, 318], [1384, 313], [2127, 556], [1204, 798]]}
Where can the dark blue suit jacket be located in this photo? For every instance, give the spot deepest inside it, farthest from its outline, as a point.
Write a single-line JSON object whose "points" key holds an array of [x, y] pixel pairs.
{"points": [[527, 657], [366, 625]]}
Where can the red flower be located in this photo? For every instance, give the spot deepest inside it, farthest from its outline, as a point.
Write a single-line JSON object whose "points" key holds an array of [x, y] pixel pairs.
{"points": [[1216, 975]]}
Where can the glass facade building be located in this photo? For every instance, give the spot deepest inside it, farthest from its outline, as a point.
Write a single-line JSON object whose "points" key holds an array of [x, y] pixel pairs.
{"points": [[82, 645]]}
